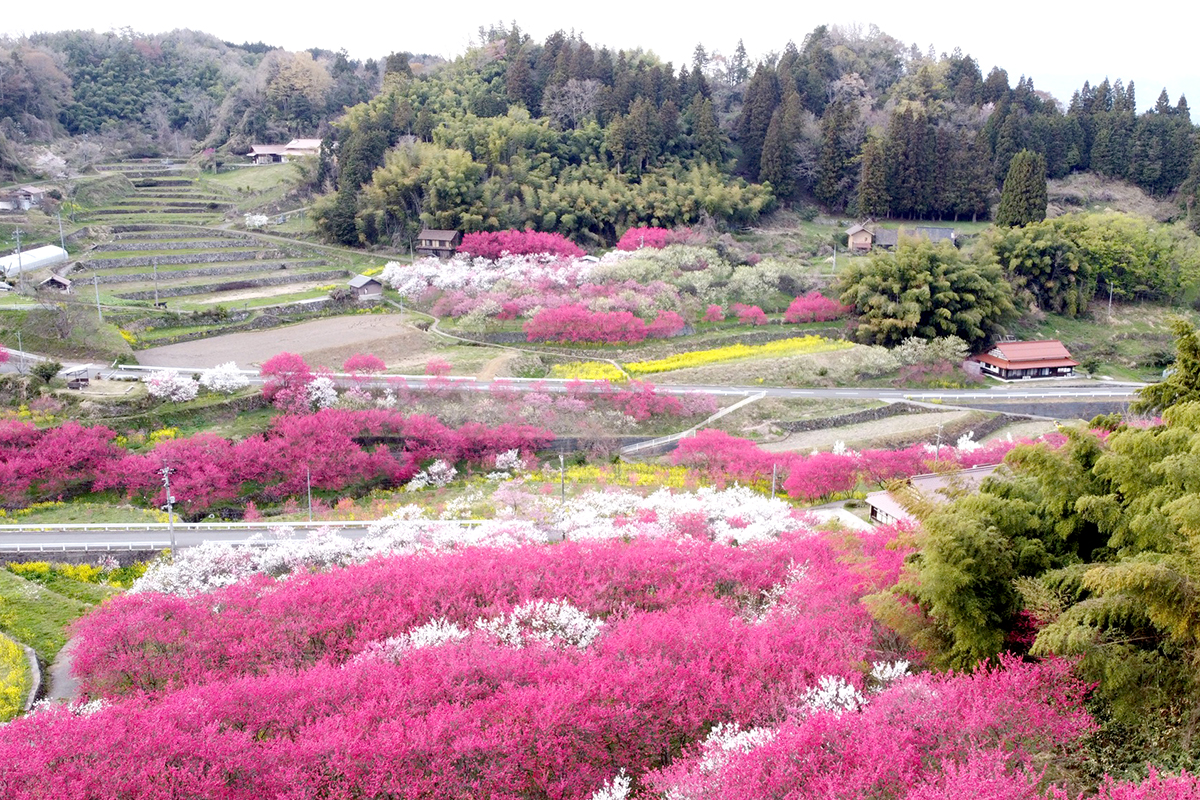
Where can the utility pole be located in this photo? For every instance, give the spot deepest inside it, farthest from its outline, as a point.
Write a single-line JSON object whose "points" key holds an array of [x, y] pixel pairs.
{"points": [[20, 354], [938, 455], [562, 479], [308, 480], [20, 270], [62, 240], [774, 474], [166, 473], [154, 266], [1110, 290], [96, 286]]}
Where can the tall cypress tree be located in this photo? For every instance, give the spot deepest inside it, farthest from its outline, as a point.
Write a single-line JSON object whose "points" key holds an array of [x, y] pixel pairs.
{"points": [[762, 98], [706, 136], [873, 200], [1023, 198], [776, 162]]}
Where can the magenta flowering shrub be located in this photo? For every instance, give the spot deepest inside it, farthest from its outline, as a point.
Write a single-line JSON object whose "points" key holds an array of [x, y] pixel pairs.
{"points": [[922, 737], [280, 689], [656, 238], [814, 307], [723, 457], [749, 315], [44, 464], [342, 450], [494, 244], [575, 323], [713, 313]]}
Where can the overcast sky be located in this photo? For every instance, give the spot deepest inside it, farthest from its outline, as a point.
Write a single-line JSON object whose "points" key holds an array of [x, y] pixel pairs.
{"points": [[1059, 45]]}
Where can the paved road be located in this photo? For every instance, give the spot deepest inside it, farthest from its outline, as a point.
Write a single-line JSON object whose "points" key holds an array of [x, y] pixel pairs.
{"points": [[49, 538]]}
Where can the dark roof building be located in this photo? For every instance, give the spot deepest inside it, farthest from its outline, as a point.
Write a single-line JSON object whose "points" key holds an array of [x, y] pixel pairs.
{"points": [[432, 242]]}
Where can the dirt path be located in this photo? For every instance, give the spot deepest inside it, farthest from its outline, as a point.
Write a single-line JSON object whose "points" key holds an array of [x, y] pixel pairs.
{"points": [[326, 342], [63, 685], [492, 368], [891, 426]]}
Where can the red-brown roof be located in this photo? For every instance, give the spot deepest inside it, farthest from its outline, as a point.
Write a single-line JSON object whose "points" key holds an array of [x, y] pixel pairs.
{"points": [[1046, 349], [987, 358]]}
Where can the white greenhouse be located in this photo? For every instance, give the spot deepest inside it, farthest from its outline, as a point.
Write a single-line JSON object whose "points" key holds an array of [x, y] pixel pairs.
{"points": [[13, 265]]}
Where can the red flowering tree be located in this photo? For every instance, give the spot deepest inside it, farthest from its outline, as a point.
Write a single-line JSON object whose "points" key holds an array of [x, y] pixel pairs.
{"points": [[656, 238], [363, 363], [494, 244], [814, 307], [286, 379], [749, 315], [575, 323]]}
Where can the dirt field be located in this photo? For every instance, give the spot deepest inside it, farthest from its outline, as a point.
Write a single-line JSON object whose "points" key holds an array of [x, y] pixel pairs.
{"points": [[327, 342], [865, 432]]}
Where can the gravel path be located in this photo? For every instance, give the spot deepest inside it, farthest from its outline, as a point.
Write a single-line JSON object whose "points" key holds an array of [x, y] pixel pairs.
{"points": [[326, 342]]}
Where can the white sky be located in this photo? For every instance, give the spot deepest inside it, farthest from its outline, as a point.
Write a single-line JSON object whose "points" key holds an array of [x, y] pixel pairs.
{"points": [[1059, 45]]}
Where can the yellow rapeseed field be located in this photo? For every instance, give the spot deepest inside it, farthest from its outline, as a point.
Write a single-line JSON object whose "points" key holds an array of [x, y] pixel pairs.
{"points": [[796, 346]]}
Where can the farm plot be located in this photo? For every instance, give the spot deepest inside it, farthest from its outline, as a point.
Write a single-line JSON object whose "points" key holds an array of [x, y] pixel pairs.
{"points": [[164, 192], [326, 342], [188, 266]]}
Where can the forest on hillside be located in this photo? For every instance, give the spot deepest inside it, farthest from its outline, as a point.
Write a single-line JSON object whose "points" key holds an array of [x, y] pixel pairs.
{"points": [[569, 136]]}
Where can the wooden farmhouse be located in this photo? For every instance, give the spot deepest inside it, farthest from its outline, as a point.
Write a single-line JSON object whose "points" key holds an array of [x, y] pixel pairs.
{"points": [[366, 288], [1008, 361], [437, 243], [860, 238]]}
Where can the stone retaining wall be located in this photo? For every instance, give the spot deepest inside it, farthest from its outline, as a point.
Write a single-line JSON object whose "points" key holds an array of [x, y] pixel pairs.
{"points": [[123, 246], [254, 283], [852, 418], [190, 258], [202, 272]]}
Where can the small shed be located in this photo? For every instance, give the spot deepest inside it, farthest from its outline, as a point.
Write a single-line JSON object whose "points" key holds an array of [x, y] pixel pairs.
{"points": [[13, 265], [57, 283], [30, 197], [860, 238], [366, 288], [937, 487], [1045, 358], [432, 242]]}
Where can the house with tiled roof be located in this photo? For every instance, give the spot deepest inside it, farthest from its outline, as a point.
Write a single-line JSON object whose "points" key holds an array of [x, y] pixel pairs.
{"points": [[1047, 358]]}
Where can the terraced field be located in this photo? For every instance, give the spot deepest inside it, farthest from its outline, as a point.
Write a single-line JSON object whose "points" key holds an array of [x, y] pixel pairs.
{"points": [[169, 243], [165, 193], [146, 262]]}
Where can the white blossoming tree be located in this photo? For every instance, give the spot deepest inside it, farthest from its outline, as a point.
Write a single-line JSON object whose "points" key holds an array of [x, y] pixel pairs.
{"points": [[174, 386], [224, 378]]}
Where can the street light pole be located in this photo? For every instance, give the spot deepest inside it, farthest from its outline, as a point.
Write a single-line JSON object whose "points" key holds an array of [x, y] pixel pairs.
{"points": [[166, 473]]}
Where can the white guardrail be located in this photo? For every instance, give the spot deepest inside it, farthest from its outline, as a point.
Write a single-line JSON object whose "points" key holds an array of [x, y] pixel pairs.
{"points": [[216, 526]]}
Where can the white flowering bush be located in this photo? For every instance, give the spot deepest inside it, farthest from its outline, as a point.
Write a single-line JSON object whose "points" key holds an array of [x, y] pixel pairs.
{"points": [[322, 392], [174, 386], [255, 221], [834, 694], [549, 621], [616, 789], [438, 474], [728, 738], [224, 378], [431, 634]]}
